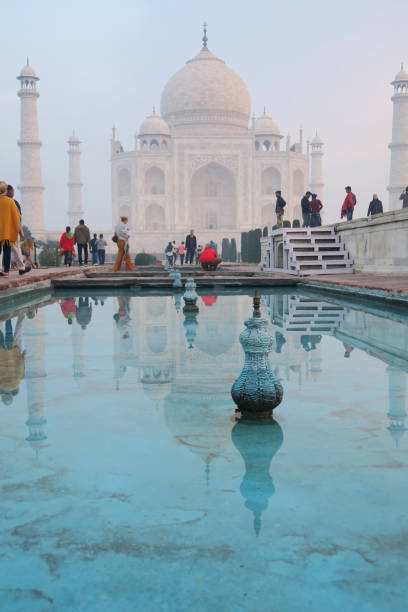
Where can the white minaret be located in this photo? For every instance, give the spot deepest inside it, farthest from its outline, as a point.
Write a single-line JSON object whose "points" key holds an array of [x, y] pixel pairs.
{"points": [[31, 188], [316, 167], [399, 144], [75, 210]]}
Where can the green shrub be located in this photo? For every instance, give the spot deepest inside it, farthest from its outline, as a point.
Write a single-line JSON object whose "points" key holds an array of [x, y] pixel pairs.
{"points": [[286, 224], [144, 259], [265, 232], [244, 246], [233, 250], [296, 223], [225, 249], [49, 258], [274, 227]]}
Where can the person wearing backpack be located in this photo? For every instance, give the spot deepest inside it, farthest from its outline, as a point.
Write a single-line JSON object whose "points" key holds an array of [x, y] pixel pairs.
{"points": [[348, 205], [94, 249], [280, 205]]}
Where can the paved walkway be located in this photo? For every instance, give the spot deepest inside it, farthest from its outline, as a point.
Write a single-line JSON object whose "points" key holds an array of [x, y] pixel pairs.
{"points": [[36, 276], [377, 282]]}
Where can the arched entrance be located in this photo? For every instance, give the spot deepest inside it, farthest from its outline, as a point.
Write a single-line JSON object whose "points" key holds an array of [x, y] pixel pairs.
{"points": [[213, 198]]}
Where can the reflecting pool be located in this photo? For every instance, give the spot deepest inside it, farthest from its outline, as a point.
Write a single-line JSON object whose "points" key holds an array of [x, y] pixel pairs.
{"points": [[127, 483]]}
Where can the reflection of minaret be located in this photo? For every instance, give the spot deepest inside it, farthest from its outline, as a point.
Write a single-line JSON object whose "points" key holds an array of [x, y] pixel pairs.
{"points": [[258, 442], [397, 389], [77, 351], [75, 209], [34, 340]]}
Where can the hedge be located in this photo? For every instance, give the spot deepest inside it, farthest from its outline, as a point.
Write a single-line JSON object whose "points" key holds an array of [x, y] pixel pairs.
{"points": [[144, 259]]}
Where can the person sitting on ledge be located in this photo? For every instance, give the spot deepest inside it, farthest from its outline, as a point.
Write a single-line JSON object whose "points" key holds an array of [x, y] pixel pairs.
{"points": [[209, 259]]}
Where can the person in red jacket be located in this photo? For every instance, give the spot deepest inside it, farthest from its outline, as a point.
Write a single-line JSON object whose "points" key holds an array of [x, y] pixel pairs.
{"points": [[348, 204], [209, 259], [66, 243], [68, 309]]}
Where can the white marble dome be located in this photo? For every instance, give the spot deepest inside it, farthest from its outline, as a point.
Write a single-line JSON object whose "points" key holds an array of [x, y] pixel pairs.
{"points": [[402, 75], [154, 125], [266, 126], [206, 92], [28, 71]]}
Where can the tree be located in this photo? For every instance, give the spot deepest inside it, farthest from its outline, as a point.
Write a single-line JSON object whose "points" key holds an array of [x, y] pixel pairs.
{"points": [[233, 250], [225, 249], [244, 246], [265, 232], [27, 232]]}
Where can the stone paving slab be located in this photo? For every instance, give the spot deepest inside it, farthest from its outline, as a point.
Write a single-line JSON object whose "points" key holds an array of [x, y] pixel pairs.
{"points": [[394, 283]]}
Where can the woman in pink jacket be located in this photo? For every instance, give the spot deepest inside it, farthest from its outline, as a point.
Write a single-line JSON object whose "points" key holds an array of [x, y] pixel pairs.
{"points": [[182, 252]]}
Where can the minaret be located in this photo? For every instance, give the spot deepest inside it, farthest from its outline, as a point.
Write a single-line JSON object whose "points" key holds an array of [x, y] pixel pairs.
{"points": [[31, 188], [75, 210], [316, 167], [397, 392], [399, 144]]}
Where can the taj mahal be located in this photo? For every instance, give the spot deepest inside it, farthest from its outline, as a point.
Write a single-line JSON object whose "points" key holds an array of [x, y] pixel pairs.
{"points": [[201, 163]]}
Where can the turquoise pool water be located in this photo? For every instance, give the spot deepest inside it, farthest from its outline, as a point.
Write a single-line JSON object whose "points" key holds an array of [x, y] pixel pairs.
{"points": [[127, 484]]}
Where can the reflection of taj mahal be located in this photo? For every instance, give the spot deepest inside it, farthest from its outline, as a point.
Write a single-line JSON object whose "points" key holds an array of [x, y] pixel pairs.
{"points": [[199, 165]]}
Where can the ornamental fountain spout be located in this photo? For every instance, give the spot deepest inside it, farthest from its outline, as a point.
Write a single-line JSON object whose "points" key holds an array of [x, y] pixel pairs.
{"points": [[177, 280], [256, 391]]}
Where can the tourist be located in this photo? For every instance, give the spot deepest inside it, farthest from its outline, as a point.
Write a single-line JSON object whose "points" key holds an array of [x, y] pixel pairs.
{"points": [[198, 253], [182, 250], [279, 209], [27, 247], [11, 358], [375, 207], [175, 252], [83, 312], [100, 247], [94, 250], [82, 239], [348, 205], [10, 228], [191, 246], [169, 253], [404, 198], [305, 204], [315, 208], [209, 259], [66, 244], [15, 249], [212, 245], [10, 193], [123, 234]]}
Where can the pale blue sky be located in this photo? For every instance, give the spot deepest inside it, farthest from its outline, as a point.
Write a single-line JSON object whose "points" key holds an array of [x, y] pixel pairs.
{"points": [[319, 64]]}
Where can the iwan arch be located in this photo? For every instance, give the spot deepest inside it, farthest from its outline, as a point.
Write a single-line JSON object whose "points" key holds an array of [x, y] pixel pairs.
{"points": [[202, 164]]}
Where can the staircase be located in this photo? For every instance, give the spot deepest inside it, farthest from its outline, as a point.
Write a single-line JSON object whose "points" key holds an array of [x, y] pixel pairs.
{"points": [[307, 251]]}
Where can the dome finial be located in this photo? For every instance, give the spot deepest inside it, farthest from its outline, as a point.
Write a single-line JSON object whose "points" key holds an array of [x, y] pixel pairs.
{"points": [[204, 38], [264, 109], [28, 61], [154, 109]]}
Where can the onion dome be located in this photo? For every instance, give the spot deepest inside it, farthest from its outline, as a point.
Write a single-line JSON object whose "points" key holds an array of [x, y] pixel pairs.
{"points": [[401, 76], [206, 92], [154, 125], [266, 126], [28, 72]]}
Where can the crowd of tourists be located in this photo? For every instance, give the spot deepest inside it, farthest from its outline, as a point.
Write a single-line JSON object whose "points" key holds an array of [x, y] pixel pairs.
{"points": [[311, 207], [81, 237], [15, 247]]}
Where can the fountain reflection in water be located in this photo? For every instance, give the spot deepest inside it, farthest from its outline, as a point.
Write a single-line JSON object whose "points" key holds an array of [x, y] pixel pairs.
{"points": [[258, 443]]}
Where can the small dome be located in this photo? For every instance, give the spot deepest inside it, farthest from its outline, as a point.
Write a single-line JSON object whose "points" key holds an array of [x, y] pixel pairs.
{"points": [[28, 71], [74, 138], [401, 76], [317, 140], [206, 92], [153, 126], [265, 126]]}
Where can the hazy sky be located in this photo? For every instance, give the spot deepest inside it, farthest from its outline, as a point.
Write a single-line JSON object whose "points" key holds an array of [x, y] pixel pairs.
{"points": [[317, 64]]}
